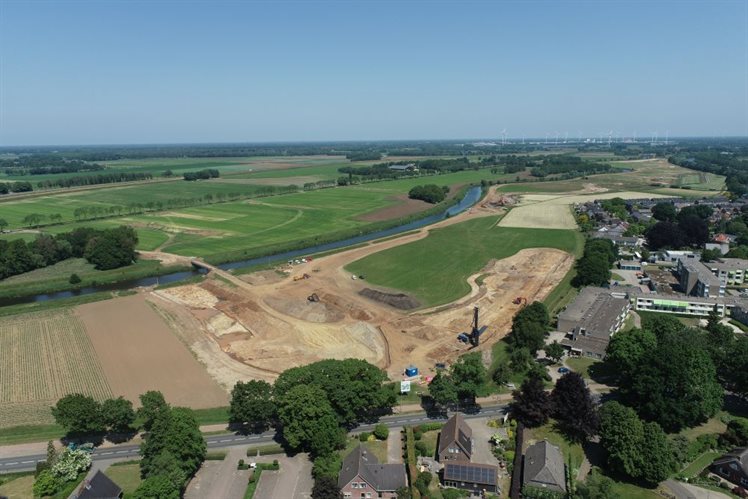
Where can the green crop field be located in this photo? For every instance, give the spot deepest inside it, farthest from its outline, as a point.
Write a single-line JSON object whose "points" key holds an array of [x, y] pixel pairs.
{"points": [[435, 269], [45, 356]]}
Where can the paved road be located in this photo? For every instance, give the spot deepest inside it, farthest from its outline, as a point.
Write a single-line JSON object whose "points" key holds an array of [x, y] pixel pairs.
{"points": [[688, 491], [28, 463]]}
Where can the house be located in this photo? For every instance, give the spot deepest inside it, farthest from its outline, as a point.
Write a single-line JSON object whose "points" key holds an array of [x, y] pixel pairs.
{"points": [[589, 322], [629, 265], [471, 476], [456, 440], [99, 486], [733, 467], [543, 467], [362, 476]]}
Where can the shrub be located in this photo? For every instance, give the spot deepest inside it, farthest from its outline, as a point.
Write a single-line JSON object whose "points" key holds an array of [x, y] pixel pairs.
{"points": [[422, 449], [74, 279], [70, 464], [381, 431], [241, 465], [46, 484], [364, 436], [417, 434]]}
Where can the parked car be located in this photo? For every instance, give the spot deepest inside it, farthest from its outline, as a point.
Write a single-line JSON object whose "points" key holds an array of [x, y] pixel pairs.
{"points": [[563, 370]]}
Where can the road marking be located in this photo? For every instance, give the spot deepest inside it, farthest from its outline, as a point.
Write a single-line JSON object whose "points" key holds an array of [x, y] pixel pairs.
{"points": [[11, 464], [26, 462], [122, 452]]}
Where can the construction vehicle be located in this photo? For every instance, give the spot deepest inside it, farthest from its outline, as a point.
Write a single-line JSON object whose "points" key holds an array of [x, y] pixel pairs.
{"points": [[313, 298], [463, 337], [300, 277], [476, 331], [520, 300]]}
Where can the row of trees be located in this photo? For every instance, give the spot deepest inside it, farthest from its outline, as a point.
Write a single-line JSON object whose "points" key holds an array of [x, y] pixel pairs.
{"points": [[7, 188], [45, 164], [430, 193], [313, 405], [563, 164], [173, 448], [206, 174], [100, 178], [104, 248], [593, 268]]}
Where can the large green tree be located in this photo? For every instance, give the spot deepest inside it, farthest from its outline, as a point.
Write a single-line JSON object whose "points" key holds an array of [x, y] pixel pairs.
{"points": [[308, 421], [468, 374], [676, 383], [152, 404], [627, 348], [355, 389], [177, 432], [118, 414], [79, 413], [157, 487], [442, 390], [252, 404], [635, 448]]}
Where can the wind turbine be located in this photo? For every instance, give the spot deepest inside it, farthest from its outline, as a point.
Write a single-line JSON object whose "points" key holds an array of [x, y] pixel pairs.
{"points": [[566, 138], [503, 137], [610, 137], [667, 132], [654, 138]]}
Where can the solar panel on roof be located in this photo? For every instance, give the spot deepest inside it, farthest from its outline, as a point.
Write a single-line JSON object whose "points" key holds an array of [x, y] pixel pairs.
{"points": [[470, 473]]}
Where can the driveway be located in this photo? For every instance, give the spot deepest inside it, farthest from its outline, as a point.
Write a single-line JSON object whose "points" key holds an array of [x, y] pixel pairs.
{"points": [[292, 481], [220, 479], [481, 441], [688, 491], [395, 446]]}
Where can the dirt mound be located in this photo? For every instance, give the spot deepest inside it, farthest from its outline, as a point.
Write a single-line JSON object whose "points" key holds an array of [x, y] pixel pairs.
{"points": [[399, 300], [263, 277], [304, 309]]}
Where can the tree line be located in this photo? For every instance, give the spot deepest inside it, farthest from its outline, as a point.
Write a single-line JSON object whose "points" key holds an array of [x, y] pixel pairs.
{"points": [[563, 164], [104, 248], [45, 164], [205, 174], [101, 178], [8, 187], [173, 448]]}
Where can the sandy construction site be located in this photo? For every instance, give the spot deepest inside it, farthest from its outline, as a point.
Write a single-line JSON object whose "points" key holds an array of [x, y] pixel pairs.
{"points": [[260, 324]]}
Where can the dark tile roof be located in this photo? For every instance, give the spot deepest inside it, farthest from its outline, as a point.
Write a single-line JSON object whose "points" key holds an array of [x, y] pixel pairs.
{"points": [[100, 487], [544, 467], [740, 455], [482, 474], [381, 477], [456, 430]]}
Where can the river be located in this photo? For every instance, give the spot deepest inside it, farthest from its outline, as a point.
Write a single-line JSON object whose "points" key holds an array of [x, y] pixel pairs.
{"points": [[471, 197]]}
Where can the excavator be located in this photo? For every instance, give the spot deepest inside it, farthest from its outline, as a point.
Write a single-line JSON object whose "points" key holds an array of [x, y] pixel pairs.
{"points": [[520, 300]]}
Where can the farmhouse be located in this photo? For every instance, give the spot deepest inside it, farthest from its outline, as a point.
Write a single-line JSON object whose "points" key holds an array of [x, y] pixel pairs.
{"points": [[456, 440], [363, 476], [733, 467], [589, 322], [544, 467]]}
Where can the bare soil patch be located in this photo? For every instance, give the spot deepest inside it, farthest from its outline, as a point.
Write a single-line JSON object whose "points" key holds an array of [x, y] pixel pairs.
{"points": [[398, 300], [404, 207], [263, 277], [138, 352]]}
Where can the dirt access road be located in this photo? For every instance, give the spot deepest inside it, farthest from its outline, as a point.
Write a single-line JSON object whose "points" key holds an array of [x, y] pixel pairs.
{"points": [[264, 320]]}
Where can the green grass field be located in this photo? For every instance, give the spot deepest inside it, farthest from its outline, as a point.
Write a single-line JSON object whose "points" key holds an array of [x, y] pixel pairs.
{"points": [[435, 269], [126, 475]]}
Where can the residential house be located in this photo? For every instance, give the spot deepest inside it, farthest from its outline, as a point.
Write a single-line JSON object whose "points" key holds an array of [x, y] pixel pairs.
{"points": [[99, 486], [733, 467], [455, 440], [544, 468], [471, 476], [363, 477]]}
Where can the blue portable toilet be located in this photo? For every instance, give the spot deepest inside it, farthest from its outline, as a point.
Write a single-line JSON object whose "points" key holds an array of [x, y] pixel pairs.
{"points": [[411, 370]]}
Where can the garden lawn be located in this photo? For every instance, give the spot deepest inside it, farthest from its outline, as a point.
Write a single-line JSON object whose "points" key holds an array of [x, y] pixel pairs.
{"points": [[18, 488], [581, 365], [435, 269], [127, 476], [700, 463]]}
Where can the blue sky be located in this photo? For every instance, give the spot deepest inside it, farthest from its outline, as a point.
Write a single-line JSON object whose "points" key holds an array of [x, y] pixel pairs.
{"points": [[154, 72]]}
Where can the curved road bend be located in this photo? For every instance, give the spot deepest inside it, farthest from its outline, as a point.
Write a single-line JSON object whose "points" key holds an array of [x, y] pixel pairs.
{"points": [[28, 463]]}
